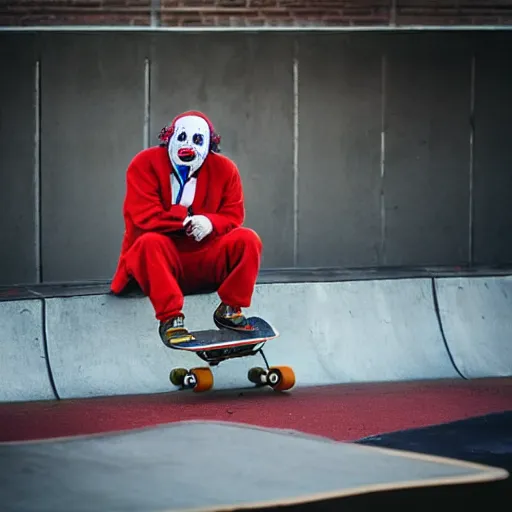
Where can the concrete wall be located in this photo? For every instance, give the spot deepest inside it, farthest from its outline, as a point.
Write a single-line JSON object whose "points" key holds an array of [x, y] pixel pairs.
{"points": [[355, 149], [19, 226]]}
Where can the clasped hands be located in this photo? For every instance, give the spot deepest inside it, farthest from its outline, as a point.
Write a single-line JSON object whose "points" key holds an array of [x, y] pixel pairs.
{"points": [[198, 226]]}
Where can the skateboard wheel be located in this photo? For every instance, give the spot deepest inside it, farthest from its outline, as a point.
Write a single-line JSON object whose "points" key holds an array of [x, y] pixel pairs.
{"points": [[203, 378], [177, 376], [257, 376], [281, 378]]}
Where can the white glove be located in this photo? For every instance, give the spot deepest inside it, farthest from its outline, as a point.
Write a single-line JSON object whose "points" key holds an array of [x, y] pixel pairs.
{"points": [[198, 226]]}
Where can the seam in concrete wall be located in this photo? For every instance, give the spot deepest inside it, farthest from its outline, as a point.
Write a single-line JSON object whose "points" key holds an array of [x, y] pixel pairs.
{"points": [[295, 152], [382, 256], [46, 351], [441, 328], [37, 171], [147, 101], [471, 160]]}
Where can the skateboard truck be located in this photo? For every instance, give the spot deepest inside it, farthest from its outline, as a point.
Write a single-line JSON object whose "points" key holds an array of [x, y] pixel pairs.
{"points": [[279, 378]]}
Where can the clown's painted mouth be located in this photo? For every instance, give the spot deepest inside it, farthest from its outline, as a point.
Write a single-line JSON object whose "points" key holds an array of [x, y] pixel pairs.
{"points": [[186, 154]]}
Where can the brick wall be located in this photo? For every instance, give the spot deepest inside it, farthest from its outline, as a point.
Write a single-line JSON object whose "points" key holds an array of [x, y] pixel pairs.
{"points": [[74, 12], [443, 12], [255, 12], [275, 12]]}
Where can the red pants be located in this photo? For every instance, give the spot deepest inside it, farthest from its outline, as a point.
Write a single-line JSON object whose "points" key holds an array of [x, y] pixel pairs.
{"points": [[230, 265]]}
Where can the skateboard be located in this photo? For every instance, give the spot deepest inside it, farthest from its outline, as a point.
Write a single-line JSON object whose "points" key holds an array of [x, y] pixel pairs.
{"points": [[217, 345]]}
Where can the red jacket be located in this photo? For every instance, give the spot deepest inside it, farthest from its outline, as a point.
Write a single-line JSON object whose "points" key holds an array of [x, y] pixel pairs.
{"points": [[147, 206]]}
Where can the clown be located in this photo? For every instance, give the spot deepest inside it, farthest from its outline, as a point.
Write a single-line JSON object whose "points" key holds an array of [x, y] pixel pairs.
{"points": [[183, 212]]}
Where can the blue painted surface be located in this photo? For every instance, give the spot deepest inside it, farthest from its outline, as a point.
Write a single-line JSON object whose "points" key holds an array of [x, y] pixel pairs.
{"points": [[484, 440]]}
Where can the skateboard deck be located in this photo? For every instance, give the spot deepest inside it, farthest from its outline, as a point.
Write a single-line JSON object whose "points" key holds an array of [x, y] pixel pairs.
{"points": [[216, 339], [216, 345]]}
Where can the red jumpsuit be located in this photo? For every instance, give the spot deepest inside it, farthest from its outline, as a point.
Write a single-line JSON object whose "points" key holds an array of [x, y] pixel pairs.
{"points": [[162, 259]]}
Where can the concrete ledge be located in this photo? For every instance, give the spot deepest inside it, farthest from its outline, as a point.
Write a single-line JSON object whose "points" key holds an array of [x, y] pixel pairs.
{"points": [[330, 333], [266, 276], [23, 366], [476, 315]]}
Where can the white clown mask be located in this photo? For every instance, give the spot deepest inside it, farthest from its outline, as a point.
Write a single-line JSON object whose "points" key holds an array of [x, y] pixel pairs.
{"points": [[190, 143]]}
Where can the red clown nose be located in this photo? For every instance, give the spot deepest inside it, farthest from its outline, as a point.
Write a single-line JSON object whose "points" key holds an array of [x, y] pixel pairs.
{"points": [[186, 154]]}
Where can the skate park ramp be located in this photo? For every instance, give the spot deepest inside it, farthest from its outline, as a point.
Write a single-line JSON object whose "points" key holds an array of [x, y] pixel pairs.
{"points": [[23, 363], [376, 330], [381, 330], [476, 315], [177, 468]]}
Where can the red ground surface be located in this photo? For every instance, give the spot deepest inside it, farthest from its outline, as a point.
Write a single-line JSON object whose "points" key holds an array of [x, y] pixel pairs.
{"points": [[343, 412]]}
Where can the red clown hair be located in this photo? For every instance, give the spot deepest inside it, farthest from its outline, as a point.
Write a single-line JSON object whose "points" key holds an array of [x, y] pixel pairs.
{"points": [[167, 131]]}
